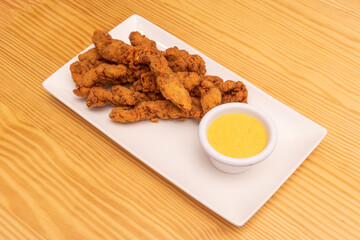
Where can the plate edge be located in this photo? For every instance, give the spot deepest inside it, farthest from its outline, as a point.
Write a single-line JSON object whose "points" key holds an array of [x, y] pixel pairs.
{"points": [[323, 134]]}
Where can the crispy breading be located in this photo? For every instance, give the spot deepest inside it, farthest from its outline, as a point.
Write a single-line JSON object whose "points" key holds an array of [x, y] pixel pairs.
{"points": [[182, 61], [106, 74], [179, 60], [87, 61], [233, 92], [172, 89], [81, 91], [141, 41], [114, 50], [103, 75], [147, 82], [91, 55], [153, 110], [190, 80], [214, 79], [118, 95], [167, 81], [210, 96]]}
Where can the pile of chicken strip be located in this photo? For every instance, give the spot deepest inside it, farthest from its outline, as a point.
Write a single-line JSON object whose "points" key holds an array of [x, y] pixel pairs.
{"points": [[145, 83]]}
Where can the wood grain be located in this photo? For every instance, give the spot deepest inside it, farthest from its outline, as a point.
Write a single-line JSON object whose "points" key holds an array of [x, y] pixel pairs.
{"points": [[60, 178]]}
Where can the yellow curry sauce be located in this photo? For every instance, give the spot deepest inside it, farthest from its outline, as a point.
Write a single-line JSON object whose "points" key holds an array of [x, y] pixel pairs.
{"points": [[237, 135]]}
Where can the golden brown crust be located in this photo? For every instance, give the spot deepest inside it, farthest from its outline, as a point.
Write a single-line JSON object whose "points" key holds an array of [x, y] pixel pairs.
{"points": [[182, 61], [103, 75], [179, 60], [118, 95], [87, 61], [92, 70], [81, 91], [153, 110], [91, 55], [114, 50], [141, 41], [146, 83], [210, 96], [233, 92], [172, 89], [190, 80]]}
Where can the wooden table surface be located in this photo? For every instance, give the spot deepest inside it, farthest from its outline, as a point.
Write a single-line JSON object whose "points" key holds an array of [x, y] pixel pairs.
{"points": [[61, 178]]}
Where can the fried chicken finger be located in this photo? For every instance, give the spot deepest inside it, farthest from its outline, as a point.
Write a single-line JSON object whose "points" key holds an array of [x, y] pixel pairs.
{"points": [[179, 60], [118, 95], [153, 110]]}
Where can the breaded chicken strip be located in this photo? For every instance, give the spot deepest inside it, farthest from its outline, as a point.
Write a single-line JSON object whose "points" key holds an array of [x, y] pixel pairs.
{"points": [[114, 50], [87, 61], [210, 96], [182, 61], [153, 110], [233, 92], [141, 41], [118, 95], [179, 60], [190, 80], [105, 74], [169, 84]]}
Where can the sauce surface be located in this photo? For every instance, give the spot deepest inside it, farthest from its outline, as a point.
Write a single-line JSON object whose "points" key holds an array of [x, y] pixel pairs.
{"points": [[237, 135]]}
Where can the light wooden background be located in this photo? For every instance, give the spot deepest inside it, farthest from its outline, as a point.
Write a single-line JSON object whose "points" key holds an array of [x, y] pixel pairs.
{"points": [[61, 178]]}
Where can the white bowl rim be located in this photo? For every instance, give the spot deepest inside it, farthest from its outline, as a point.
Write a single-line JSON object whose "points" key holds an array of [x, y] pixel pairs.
{"points": [[237, 161]]}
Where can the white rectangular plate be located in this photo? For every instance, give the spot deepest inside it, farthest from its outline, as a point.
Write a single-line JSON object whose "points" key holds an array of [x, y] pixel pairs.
{"points": [[172, 148]]}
